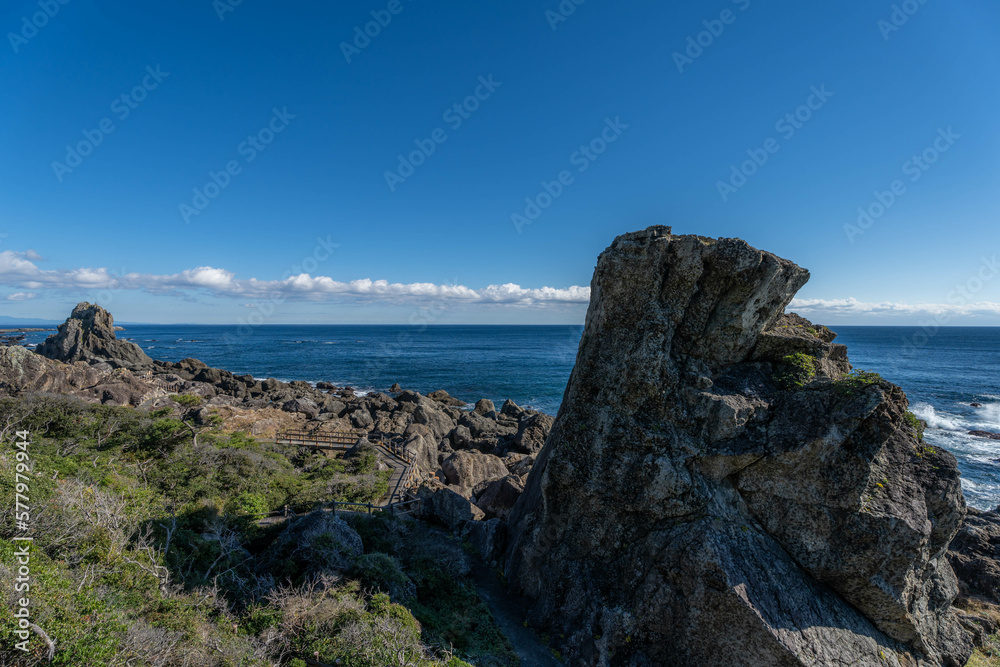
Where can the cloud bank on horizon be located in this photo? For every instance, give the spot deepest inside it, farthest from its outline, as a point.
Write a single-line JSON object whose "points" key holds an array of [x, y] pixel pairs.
{"points": [[19, 271]]}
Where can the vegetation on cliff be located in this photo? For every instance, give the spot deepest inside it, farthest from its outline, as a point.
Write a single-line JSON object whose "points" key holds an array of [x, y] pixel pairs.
{"points": [[144, 552]]}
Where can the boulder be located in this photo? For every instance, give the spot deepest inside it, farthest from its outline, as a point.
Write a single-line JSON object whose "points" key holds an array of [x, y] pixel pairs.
{"points": [[461, 437], [22, 371], [395, 388], [444, 398], [499, 497], [974, 554], [484, 406], [511, 409], [362, 419], [89, 335], [437, 421], [450, 509], [690, 508], [531, 433], [478, 425], [424, 452], [466, 469], [485, 537], [302, 406]]}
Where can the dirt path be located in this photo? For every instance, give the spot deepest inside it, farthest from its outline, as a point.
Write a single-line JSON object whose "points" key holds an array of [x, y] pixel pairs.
{"points": [[510, 615]]}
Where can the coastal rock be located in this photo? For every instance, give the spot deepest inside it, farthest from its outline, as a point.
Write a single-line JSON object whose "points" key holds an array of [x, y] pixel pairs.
{"points": [[466, 469], [461, 437], [532, 432], [484, 406], [362, 419], [485, 537], [511, 410], [975, 555], [985, 434], [450, 509], [89, 335], [22, 371], [436, 420], [444, 398], [302, 406], [499, 497], [424, 452], [690, 506]]}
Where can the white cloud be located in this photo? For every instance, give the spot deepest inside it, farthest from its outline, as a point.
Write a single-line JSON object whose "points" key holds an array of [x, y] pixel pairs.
{"points": [[20, 296], [853, 307], [18, 269]]}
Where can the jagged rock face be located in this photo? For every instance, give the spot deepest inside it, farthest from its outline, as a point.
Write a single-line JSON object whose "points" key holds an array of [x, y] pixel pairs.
{"points": [[89, 335], [975, 555], [691, 506]]}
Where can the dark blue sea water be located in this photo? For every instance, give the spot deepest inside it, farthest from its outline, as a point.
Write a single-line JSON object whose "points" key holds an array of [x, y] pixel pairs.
{"points": [[942, 373]]}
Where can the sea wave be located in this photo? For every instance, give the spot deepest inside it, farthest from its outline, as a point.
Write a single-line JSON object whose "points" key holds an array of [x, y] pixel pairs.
{"points": [[944, 421]]}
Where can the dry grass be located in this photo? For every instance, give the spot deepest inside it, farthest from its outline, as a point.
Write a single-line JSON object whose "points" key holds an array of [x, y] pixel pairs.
{"points": [[263, 422]]}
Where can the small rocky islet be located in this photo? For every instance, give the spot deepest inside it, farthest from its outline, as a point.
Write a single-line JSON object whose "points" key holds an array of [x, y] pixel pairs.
{"points": [[719, 485]]}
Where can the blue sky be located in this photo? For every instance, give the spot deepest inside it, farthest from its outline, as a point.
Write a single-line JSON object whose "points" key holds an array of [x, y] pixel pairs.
{"points": [[642, 110]]}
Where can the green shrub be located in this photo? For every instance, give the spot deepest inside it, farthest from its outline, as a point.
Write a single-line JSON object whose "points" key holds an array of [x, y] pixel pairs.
{"points": [[188, 400], [796, 371], [915, 424], [855, 381], [248, 502]]}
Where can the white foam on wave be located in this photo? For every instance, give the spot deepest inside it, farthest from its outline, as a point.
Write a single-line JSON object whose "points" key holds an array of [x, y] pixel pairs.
{"points": [[987, 417], [944, 421]]}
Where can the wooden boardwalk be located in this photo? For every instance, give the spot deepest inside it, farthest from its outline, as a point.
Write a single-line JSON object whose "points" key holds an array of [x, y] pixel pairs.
{"points": [[388, 448]]}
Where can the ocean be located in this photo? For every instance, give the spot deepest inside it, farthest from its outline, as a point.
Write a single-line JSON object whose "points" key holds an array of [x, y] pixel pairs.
{"points": [[943, 372]]}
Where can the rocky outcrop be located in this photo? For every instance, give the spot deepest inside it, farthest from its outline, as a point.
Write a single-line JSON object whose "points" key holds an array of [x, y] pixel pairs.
{"points": [[89, 335], [450, 509], [466, 470], [975, 556], [714, 489], [499, 497]]}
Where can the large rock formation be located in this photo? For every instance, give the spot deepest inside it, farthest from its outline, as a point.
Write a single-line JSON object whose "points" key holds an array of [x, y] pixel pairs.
{"points": [[715, 491], [89, 335]]}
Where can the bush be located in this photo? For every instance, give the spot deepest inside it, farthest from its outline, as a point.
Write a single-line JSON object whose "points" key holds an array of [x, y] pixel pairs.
{"points": [[247, 503], [915, 424], [187, 400], [134, 560], [796, 371], [855, 381]]}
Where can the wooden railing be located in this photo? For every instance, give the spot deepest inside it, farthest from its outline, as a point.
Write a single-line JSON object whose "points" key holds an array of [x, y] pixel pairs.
{"points": [[389, 446]]}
